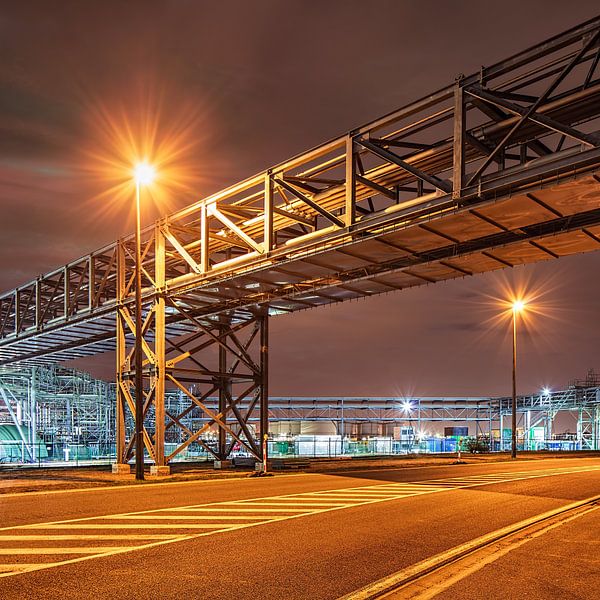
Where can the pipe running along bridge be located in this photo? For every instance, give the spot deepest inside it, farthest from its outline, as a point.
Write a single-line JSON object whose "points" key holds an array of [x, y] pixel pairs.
{"points": [[498, 169]]}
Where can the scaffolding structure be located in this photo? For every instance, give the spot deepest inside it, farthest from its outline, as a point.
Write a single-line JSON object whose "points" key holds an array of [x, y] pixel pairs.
{"points": [[542, 409], [53, 408]]}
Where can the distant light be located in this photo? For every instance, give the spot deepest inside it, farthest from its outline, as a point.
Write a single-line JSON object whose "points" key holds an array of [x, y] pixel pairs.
{"points": [[546, 391], [407, 405], [144, 173], [518, 306]]}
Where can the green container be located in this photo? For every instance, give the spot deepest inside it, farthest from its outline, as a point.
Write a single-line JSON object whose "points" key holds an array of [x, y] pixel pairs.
{"points": [[12, 448]]}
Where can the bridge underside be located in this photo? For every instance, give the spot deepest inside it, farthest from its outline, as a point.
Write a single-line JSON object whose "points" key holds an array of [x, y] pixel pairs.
{"points": [[501, 168]]}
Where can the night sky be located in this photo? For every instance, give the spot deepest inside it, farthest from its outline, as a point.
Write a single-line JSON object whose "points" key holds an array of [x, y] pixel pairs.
{"points": [[243, 85]]}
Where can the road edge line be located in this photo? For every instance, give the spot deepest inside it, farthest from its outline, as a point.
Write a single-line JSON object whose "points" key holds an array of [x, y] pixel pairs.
{"points": [[408, 574]]}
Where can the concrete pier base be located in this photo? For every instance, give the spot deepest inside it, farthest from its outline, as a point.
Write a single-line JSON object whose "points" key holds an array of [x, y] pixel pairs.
{"points": [[121, 469], [160, 470], [222, 464]]}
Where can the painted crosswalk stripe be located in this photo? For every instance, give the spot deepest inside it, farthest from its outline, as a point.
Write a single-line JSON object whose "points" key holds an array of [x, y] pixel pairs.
{"points": [[165, 517], [198, 517], [309, 505], [54, 550], [193, 521], [133, 526], [78, 537], [234, 508], [19, 567]]}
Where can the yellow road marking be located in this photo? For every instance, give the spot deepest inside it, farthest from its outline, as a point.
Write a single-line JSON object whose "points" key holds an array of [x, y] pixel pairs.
{"points": [[77, 537], [236, 509], [182, 517], [220, 517], [21, 566], [134, 526], [145, 486], [355, 498], [299, 503], [67, 550]]}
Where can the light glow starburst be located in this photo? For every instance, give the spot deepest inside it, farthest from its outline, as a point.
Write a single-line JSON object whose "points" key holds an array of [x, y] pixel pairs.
{"points": [[146, 142]]}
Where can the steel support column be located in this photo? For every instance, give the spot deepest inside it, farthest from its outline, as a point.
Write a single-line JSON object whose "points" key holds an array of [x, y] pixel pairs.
{"points": [[264, 372], [157, 382], [121, 358], [221, 381], [458, 171]]}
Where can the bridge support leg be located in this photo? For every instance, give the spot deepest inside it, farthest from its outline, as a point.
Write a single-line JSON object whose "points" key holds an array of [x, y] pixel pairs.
{"points": [[153, 363], [264, 391], [205, 378], [222, 381], [227, 403], [120, 466]]}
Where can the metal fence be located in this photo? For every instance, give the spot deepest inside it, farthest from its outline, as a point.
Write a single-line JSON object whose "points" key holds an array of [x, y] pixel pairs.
{"points": [[314, 446]]}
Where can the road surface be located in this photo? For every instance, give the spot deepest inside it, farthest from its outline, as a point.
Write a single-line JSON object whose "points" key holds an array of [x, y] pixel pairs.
{"points": [[304, 536]]}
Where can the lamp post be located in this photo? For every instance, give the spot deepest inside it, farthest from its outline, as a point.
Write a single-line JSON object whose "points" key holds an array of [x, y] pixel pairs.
{"points": [[407, 408], [143, 175], [517, 308]]}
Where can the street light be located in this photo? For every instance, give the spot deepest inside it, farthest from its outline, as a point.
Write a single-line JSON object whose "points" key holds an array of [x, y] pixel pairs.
{"points": [[407, 407], [144, 175], [517, 307]]}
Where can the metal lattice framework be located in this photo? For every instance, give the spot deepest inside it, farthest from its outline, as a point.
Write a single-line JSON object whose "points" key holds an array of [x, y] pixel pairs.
{"points": [[498, 169], [58, 405], [543, 408]]}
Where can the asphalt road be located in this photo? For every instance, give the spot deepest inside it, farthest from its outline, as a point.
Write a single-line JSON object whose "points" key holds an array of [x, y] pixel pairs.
{"points": [[298, 536]]}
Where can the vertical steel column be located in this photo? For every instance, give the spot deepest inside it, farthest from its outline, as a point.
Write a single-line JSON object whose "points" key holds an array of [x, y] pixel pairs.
{"points": [[596, 428], [458, 169], [66, 293], [223, 382], [268, 209], [264, 374], [17, 311], [204, 239], [513, 450], [33, 414], [549, 424], [137, 354], [350, 212], [159, 348], [91, 282], [38, 304], [121, 354]]}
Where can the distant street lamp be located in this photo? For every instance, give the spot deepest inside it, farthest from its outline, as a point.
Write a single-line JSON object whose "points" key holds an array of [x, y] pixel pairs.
{"points": [[517, 307], [144, 175], [407, 407]]}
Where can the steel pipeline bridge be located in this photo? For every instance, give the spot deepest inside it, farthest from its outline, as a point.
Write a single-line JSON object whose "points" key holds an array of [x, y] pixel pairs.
{"points": [[500, 168]]}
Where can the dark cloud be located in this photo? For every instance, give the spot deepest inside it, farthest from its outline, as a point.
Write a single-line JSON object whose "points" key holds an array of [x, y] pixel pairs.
{"points": [[270, 79]]}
